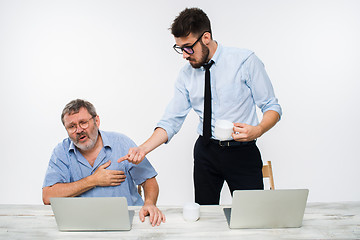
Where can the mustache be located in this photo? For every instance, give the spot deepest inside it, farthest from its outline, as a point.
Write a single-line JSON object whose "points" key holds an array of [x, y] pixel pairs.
{"points": [[81, 134]]}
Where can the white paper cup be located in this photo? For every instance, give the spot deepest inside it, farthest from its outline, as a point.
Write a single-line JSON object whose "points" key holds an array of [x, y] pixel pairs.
{"points": [[223, 130], [191, 212]]}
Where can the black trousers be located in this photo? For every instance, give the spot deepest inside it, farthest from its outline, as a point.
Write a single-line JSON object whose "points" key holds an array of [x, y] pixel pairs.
{"points": [[240, 166]]}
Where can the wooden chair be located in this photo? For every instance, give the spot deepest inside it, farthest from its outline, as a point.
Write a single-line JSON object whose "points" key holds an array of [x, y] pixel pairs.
{"points": [[139, 190], [267, 173]]}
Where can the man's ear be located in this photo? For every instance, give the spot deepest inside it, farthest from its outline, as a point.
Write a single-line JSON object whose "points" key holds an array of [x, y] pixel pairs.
{"points": [[97, 121], [206, 38]]}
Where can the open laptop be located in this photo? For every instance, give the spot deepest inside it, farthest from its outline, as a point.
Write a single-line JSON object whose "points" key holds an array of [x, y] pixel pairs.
{"points": [[267, 208], [92, 214]]}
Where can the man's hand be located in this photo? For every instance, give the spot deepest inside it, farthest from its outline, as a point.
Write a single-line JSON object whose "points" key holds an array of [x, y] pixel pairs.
{"points": [[135, 155], [156, 216], [246, 133], [104, 177], [101, 177]]}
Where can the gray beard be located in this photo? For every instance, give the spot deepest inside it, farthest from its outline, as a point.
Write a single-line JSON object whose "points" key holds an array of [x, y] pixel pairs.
{"points": [[90, 145]]}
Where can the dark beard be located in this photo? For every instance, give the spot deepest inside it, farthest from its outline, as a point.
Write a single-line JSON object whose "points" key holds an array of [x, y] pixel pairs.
{"points": [[204, 56]]}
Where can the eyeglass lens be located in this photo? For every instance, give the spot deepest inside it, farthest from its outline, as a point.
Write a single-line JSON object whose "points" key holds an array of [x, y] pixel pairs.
{"points": [[83, 125], [189, 49]]}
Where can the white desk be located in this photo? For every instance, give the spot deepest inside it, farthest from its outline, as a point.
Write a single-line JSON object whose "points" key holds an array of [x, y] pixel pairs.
{"points": [[321, 221]]}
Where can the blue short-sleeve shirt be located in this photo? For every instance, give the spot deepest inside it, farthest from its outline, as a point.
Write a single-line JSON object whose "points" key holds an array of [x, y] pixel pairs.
{"points": [[68, 165]]}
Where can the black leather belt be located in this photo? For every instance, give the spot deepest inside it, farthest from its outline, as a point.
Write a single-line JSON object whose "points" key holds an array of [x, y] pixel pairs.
{"points": [[231, 143]]}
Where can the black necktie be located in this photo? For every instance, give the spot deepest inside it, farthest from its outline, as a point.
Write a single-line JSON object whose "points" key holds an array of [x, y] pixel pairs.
{"points": [[207, 104]]}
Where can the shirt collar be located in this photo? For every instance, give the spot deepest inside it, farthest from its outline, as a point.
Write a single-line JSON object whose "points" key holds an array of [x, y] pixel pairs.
{"points": [[217, 53], [105, 139]]}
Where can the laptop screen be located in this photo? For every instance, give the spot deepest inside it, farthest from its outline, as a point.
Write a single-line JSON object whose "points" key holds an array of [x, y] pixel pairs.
{"points": [[92, 214]]}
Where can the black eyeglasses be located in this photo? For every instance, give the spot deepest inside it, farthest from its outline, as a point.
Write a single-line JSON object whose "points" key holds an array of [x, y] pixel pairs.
{"points": [[187, 49], [83, 124]]}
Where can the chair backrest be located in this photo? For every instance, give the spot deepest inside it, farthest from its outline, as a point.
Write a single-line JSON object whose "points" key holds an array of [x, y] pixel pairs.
{"points": [[267, 173]]}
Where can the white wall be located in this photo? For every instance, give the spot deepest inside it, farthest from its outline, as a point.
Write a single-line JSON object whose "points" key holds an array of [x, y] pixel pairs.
{"points": [[118, 55]]}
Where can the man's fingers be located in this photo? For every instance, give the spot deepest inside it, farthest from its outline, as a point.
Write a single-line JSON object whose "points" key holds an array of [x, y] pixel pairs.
{"points": [[121, 176], [114, 184], [155, 215], [105, 165], [239, 125], [142, 215], [239, 129], [132, 155], [117, 177], [238, 136], [135, 156], [116, 181], [116, 172], [123, 158], [140, 157], [158, 218], [152, 217]]}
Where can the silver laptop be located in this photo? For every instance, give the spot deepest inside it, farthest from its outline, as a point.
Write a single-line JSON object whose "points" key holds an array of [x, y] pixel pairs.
{"points": [[267, 208], [92, 214]]}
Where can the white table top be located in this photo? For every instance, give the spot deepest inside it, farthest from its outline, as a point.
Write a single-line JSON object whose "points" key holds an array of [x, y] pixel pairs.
{"points": [[321, 221]]}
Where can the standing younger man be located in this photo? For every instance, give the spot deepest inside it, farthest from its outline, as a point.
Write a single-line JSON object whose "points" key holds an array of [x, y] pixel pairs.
{"points": [[218, 83]]}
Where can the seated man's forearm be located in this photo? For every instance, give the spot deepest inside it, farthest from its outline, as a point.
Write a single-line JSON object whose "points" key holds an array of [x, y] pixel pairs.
{"points": [[67, 189], [151, 191]]}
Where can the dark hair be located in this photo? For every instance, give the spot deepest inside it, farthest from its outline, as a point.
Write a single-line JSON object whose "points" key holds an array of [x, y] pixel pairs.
{"points": [[74, 107], [190, 20]]}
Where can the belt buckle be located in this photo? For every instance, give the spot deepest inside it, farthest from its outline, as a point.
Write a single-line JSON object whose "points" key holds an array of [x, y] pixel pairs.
{"points": [[226, 145]]}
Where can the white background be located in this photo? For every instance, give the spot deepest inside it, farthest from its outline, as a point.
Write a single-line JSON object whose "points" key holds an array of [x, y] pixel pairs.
{"points": [[119, 56]]}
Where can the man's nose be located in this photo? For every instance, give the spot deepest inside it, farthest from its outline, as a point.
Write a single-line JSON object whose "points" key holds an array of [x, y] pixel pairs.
{"points": [[77, 128], [185, 55]]}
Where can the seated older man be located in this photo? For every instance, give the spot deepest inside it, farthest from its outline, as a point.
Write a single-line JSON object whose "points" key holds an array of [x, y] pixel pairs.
{"points": [[84, 164]]}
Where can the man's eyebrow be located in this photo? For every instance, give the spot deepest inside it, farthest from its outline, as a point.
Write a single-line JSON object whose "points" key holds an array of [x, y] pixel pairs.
{"points": [[186, 45], [72, 122], [69, 123]]}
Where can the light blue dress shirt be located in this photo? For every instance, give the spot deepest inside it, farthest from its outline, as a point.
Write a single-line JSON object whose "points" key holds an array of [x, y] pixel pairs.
{"points": [[239, 83], [68, 165]]}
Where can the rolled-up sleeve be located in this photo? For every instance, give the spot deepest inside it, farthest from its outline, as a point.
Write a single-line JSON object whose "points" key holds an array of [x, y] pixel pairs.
{"points": [[260, 85]]}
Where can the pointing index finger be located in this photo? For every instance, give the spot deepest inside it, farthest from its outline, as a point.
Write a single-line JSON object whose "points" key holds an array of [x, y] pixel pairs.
{"points": [[123, 158]]}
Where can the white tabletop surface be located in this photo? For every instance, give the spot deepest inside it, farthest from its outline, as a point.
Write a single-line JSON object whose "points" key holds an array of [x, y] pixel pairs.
{"points": [[321, 221]]}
